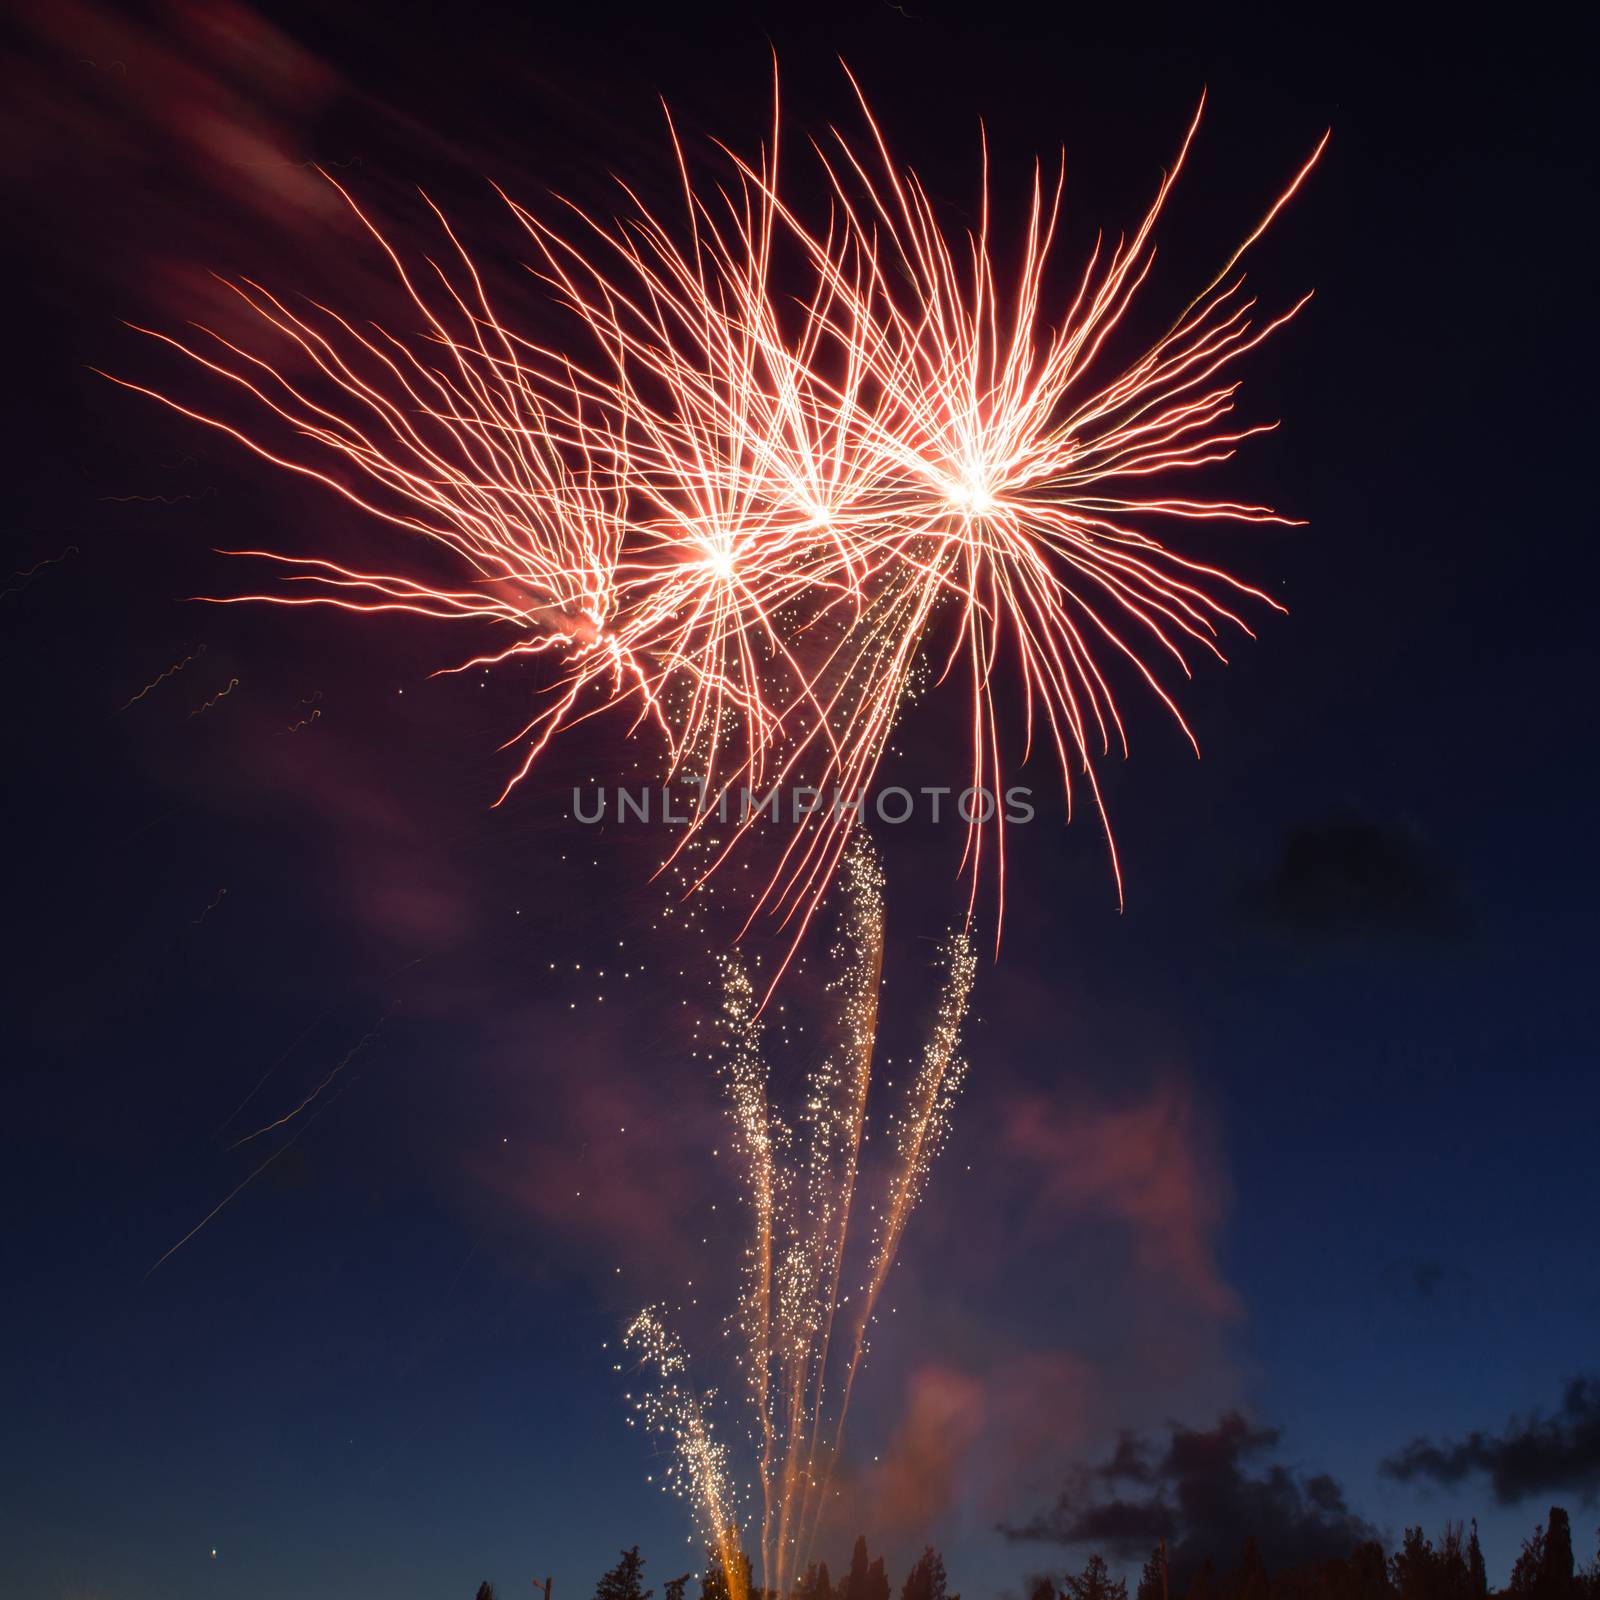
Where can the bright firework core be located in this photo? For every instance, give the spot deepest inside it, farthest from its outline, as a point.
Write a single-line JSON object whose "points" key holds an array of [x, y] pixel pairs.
{"points": [[971, 496], [718, 562]]}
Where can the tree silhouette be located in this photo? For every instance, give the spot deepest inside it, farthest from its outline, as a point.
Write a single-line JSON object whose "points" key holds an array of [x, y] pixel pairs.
{"points": [[1253, 1582], [1530, 1565], [1369, 1572], [877, 1581], [622, 1581], [1153, 1580], [925, 1580], [855, 1582], [814, 1584], [1453, 1567], [1555, 1580], [485, 1590], [675, 1586], [1591, 1574], [1422, 1572], [1477, 1573], [1095, 1582]]}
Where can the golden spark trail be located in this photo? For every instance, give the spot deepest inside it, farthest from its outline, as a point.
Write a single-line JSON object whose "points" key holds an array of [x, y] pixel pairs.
{"points": [[698, 1466], [222, 694], [919, 1137], [162, 677], [753, 1129], [800, 1175], [863, 984]]}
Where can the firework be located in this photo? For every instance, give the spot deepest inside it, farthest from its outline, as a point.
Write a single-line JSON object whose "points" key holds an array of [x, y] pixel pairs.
{"points": [[803, 1327], [742, 515], [698, 1465]]}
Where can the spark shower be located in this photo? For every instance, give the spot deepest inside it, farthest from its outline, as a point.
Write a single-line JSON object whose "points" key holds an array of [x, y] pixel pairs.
{"points": [[802, 1331]]}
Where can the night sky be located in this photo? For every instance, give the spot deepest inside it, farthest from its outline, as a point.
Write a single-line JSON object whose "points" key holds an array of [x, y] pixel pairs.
{"points": [[1306, 1131]]}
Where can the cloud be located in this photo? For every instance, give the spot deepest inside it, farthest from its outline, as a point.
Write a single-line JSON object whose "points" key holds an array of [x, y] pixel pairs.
{"points": [[1202, 1497], [918, 1477], [1112, 1199], [111, 108], [614, 1179], [1349, 877], [1150, 1164], [965, 1434], [1530, 1457]]}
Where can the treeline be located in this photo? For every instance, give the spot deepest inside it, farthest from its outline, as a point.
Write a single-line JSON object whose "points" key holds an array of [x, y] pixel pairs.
{"points": [[864, 1579], [1452, 1569]]}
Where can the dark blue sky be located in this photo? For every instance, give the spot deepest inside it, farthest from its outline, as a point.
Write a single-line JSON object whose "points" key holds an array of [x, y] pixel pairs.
{"points": [[1341, 1036]]}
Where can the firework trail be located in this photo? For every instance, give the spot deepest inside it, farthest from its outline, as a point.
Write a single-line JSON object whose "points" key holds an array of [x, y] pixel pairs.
{"points": [[157, 499], [161, 677], [764, 467], [801, 1173], [316, 1094], [221, 694], [221, 895], [314, 1099], [26, 574]]}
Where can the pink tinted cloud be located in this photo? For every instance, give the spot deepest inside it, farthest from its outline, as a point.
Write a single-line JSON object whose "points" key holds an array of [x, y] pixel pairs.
{"points": [[613, 1169], [965, 1437], [917, 1478], [212, 88], [1150, 1164]]}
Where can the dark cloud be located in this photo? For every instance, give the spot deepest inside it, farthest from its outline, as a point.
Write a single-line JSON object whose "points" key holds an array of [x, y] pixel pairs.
{"points": [[1349, 877], [1534, 1456], [1202, 1497]]}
